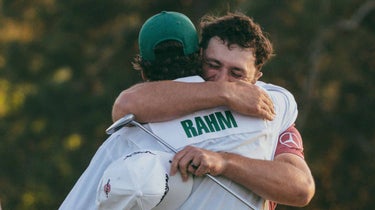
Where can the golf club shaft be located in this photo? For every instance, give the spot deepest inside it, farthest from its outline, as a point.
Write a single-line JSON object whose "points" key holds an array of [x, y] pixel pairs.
{"points": [[133, 122], [230, 191], [160, 140]]}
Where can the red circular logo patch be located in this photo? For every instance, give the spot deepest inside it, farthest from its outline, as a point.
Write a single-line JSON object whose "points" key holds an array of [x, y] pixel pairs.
{"points": [[107, 188], [290, 140]]}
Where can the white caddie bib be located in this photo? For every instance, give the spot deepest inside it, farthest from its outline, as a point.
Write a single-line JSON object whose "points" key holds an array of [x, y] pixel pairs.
{"points": [[204, 125]]}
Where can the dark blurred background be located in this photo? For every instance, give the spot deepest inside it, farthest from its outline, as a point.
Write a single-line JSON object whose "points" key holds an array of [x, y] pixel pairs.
{"points": [[63, 63]]}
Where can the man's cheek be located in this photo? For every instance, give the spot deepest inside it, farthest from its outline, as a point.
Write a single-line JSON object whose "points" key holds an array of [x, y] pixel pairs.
{"points": [[208, 75]]}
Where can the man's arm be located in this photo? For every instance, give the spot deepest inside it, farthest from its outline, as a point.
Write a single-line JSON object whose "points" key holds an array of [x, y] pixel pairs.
{"points": [[285, 180], [166, 100]]}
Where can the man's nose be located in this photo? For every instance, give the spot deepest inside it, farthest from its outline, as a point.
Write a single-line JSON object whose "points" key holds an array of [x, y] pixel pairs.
{"points": [[222, 76]]}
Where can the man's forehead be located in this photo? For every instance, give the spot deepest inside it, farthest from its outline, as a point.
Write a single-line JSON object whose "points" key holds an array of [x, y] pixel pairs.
{"points": [[218, 50], [218, 41]]}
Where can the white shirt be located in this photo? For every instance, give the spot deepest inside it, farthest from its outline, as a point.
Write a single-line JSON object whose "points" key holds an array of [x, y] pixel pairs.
{"points": [[247, 136], [257, 142]]}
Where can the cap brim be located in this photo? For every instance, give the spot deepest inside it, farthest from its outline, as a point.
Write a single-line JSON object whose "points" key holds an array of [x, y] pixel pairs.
{"points": [[179, 191]]}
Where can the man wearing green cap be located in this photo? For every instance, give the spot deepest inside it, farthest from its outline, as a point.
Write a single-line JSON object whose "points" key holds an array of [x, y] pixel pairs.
{"points": [[154, 34], [171, 60], [287, 179]]}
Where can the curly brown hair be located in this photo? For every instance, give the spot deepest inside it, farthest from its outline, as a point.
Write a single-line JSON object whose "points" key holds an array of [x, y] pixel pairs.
{"points": [[237, 28], [170, 63]]}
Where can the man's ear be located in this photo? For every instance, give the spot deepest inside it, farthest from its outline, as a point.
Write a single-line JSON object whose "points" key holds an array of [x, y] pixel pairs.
{"points": [[258, 75], [143, 76]]}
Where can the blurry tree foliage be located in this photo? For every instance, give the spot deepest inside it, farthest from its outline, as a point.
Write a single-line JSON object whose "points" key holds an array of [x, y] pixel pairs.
{"points": [[63, 63]]}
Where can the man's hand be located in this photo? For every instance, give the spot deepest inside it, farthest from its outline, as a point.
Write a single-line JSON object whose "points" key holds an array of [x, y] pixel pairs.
{"points": [[197, 161], [263, 177], [249, 99]]}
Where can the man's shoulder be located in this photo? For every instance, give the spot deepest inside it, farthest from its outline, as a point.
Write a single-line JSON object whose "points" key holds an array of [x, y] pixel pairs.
{"points": [[276, 91], [270, 86], [190, 79], [284, 103]]}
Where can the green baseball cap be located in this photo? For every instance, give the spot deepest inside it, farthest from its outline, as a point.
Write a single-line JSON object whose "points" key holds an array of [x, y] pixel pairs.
{"points": [[167, 26]]}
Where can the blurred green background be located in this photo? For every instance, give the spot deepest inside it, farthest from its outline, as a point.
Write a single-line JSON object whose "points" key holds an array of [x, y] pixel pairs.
{"points": [[62, 64]]}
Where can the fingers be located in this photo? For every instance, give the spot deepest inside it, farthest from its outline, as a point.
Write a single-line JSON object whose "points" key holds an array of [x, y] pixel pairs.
{"points": [[189, 161], [267, 110], [202, 170], [180, 164], [264, 109], [192, 167], [251, 100]]}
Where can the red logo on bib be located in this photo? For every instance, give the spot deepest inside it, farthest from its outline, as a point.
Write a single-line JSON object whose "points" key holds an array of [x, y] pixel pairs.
{"points": [[289, 139], [107, 188]]}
